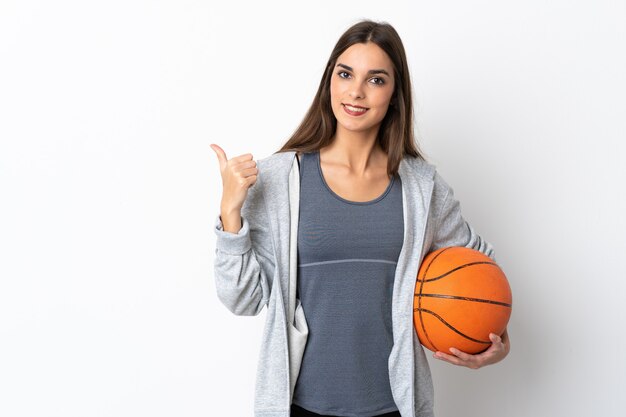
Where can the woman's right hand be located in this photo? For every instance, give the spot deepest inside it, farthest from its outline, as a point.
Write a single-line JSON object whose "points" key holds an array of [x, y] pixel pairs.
{"points": [[238, 174]]}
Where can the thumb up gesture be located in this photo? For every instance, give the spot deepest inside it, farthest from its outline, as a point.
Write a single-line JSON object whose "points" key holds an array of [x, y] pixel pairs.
{"points": [[238, 174]]}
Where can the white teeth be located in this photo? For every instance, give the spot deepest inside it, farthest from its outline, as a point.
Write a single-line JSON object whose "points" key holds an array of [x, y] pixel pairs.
{"points": [[355, 109]]}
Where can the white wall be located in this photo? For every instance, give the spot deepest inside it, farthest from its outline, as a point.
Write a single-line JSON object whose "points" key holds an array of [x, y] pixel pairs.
{"points": [[109, 190]]}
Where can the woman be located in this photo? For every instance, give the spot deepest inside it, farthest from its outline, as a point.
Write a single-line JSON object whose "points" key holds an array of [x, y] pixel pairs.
{"points": [[329, 232]]}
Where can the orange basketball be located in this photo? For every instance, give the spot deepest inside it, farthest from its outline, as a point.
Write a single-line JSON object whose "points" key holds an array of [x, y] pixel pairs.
{"points": [[461, 295]]}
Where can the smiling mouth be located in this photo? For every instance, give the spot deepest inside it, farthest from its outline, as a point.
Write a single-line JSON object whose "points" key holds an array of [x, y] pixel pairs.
{"points": [[354, 111]]}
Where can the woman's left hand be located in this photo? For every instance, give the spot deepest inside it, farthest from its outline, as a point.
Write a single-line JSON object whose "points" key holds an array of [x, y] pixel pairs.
{"points": [[498, 350]]}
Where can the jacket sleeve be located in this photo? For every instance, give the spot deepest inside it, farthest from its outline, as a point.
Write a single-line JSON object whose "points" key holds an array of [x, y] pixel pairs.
{"points": [[244, 261], [451, 228]]}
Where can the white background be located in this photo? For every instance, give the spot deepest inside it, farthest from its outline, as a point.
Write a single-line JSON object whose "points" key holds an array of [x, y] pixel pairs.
{"points": [[109, 191]]}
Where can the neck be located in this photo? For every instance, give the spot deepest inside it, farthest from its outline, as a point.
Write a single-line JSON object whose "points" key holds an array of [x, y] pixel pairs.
{"points": [[358, 152]]}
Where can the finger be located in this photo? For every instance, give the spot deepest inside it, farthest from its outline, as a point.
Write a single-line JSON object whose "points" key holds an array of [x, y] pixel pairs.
{"points": [[461, 355], [242, 158], [248, 172], [488, 357], [488, 354], [448, 358], [491, 355], [245, 165], [221, 155], [497, 342]]}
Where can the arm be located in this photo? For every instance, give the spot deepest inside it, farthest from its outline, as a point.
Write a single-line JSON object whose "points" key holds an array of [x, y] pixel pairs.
{"points": [[243, 265], [453, 230]]}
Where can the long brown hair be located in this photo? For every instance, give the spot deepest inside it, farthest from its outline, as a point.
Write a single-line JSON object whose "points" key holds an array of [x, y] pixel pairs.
{"points": [[395, 135]]}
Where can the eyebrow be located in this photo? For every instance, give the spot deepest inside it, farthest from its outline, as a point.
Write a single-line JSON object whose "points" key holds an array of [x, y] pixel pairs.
{"points": [[372, 71]]}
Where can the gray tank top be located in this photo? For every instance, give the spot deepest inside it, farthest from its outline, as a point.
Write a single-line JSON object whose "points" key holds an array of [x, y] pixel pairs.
{"points": [[347, 255]]}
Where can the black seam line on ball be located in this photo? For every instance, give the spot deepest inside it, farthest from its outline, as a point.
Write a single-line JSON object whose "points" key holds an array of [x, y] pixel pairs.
{"points": [[456, 297], [459, 267], [452, 327], [419, 300]]}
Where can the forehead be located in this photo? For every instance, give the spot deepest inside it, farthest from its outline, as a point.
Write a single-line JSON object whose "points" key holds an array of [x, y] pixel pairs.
{"points": [[366, 56]]}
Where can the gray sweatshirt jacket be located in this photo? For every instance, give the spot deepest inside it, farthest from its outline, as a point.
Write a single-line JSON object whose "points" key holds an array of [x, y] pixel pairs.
{"points": [[257, 268]]}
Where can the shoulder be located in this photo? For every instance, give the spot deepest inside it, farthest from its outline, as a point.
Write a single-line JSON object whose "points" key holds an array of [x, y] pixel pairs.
{"points": [[419, 170], [273, 175], [279, 161], [417, 167], [274, 169]]}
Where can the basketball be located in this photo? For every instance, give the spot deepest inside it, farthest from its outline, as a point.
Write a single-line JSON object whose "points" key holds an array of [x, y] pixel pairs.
{"points": [[461, 295]]}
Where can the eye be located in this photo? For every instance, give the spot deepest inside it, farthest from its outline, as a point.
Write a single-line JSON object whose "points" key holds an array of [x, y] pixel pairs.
{"points": [[379, 81], [342, 72]]}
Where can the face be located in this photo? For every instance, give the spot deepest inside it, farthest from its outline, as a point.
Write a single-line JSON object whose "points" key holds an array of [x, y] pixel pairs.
{"points": [[363, 77]]}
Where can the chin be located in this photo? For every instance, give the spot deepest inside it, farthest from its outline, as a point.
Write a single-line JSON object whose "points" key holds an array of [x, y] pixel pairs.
{"points": [[356, 128]]}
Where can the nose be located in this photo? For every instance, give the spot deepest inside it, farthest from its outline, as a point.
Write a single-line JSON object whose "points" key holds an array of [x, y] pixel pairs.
{"points": [[356, 91]]}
